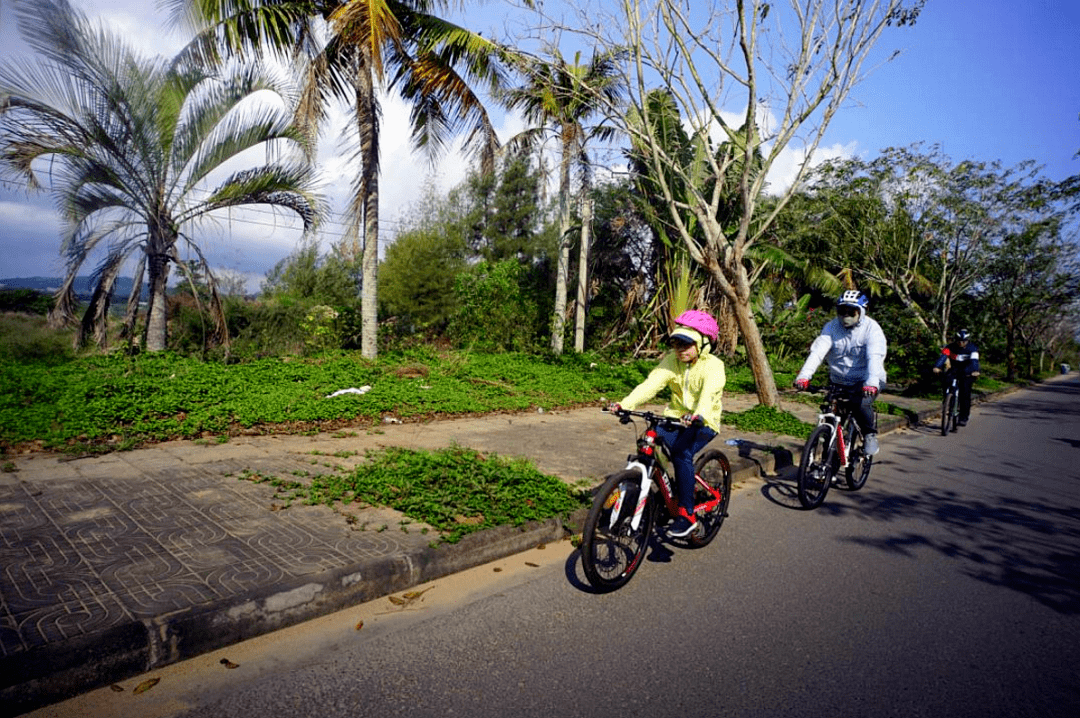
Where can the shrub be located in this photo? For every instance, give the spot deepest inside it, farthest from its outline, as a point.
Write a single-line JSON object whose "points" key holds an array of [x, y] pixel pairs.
{"points": [[497, 309], [27, 338]]}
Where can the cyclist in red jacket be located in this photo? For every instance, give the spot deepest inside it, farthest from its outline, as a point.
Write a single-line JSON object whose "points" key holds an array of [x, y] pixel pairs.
{"points": [[963, 356]]}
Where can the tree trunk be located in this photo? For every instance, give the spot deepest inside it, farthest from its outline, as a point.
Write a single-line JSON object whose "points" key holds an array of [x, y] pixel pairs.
{"points": [[561, 271], [755, 353], [156, 316], [583, 277], [366, 203]]}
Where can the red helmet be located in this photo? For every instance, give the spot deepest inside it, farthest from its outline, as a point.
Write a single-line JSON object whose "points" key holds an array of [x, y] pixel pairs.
{"points": [[701, 322]]}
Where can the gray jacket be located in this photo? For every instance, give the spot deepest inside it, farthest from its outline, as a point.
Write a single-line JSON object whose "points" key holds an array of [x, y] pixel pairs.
{"points": [[855, 356]]}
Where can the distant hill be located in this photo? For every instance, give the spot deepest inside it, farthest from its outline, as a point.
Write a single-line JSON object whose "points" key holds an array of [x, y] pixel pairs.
{"points": [[84, 287]]}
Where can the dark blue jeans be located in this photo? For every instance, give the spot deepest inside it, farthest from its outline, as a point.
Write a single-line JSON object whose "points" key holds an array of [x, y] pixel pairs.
{"points": [[683, 444]]}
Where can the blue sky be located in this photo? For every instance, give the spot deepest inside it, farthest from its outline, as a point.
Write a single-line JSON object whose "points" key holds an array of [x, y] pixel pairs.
{"points": [[985, 79]]}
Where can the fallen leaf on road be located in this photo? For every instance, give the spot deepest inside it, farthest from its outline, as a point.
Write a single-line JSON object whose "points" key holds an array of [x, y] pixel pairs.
{"points": [[413, 595], [116, 689], [534, 565], [359, 625], [146, 685], [229, 664]]}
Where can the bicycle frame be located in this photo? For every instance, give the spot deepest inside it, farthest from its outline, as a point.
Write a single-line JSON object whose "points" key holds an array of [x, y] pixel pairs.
{"points": [[834, 416], [652, 462], [627, 506]]}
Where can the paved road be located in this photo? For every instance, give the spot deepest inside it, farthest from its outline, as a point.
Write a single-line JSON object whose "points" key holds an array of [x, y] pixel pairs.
{"points": [[949, 586]]}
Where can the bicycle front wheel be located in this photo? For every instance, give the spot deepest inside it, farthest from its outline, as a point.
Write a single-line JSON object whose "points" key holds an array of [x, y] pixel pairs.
{"points": [[817, 468], [715, 470], [611, 549], [858, 468], [946, 410]]}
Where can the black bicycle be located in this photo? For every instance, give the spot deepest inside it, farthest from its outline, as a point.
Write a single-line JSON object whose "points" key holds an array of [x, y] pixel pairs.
{"points": [[829, 449], [950, 403], [629, 503]]}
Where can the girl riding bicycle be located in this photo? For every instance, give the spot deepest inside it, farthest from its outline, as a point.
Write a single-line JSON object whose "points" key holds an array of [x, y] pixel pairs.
{"points": [[696, 378]]}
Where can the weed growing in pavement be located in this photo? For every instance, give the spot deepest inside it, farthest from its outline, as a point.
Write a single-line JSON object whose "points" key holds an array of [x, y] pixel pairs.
{"points": [[457, 491], [765, 419]]}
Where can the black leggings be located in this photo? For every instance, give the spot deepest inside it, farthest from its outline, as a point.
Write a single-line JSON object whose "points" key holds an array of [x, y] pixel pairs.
{"points": [[862, 406]]}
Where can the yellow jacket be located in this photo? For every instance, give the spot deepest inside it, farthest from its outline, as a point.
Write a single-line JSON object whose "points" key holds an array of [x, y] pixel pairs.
{"points": [[696, 388]]}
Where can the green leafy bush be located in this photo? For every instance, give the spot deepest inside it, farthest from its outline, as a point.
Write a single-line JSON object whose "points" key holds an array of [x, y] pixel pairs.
{"points": [[496, 311]]}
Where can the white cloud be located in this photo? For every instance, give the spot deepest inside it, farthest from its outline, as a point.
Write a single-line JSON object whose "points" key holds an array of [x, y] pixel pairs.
{"points": [[787, 163]]}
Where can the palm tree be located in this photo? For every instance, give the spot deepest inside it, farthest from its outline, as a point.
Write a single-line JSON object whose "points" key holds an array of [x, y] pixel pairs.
{"points": [[558, 98], [431, 63], [136, 145]]}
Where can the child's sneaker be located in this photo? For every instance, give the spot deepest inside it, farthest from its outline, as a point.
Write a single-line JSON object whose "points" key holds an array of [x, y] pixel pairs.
{"points": [[682, 527]]}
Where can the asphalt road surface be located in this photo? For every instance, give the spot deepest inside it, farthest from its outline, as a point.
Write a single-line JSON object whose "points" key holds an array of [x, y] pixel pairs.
{"points": [[948, 586]]}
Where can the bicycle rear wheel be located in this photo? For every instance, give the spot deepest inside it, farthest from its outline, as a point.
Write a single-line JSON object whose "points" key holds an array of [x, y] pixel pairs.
{"points": [[859, 463], [817, 468], [714, 469], [611, 550]]}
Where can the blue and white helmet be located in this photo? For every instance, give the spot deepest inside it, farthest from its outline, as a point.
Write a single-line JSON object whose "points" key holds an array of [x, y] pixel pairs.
{"points": [[853, 298]]}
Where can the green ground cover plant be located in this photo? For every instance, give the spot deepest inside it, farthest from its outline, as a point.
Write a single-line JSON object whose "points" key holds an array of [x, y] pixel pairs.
{"points": [[457, 490], [108, 402]]}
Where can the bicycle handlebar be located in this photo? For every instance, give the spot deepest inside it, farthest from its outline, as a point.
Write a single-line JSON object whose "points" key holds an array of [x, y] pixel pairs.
{"points": [[625, 416]]}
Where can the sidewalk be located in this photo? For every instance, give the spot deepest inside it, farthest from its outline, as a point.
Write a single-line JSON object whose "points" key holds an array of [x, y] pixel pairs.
{"points": [[118, 564]]}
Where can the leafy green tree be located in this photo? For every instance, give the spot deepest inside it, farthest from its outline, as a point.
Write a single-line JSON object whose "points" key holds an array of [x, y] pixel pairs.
{"points": [[419, 271], [793, 63], [1030, 286], [135, 146], [313, 278], [497, 308], [430, 62], [505, 211], [917, 225], [559, 98]]}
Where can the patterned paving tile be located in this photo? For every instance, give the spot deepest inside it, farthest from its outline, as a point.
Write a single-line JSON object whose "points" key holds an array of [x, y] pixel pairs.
{"points": [[63, 620]]}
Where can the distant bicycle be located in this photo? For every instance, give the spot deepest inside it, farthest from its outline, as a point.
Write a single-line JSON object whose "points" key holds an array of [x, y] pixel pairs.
{"points": [[950, 410], [629, 503], [829, 449]]}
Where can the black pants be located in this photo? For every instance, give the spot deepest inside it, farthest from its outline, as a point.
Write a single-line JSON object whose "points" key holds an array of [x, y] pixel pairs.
{"points": [[862, 407], [963, 386]]}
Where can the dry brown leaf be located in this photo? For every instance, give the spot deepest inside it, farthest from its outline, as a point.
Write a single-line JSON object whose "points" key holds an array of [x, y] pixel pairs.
{"points": [[496, 569], [146, 685], [397, 600], [116, 689], [229, 664], [413, 595], [534, 565], [359, 625]]}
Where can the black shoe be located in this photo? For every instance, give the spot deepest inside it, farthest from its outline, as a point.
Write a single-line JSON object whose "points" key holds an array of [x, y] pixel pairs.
{"points": [[682, 527], [961, 422]]}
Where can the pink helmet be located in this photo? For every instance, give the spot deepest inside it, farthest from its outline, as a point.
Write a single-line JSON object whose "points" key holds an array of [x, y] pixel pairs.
{"points": [[700, 321]]}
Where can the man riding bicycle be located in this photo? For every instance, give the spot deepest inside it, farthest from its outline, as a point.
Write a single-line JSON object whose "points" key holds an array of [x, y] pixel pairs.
{"points": [[961, 356], [854, 346]]}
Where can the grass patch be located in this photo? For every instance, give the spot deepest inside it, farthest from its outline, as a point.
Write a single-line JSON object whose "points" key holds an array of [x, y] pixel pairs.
{"points": [[765, 419], [458, 491]]}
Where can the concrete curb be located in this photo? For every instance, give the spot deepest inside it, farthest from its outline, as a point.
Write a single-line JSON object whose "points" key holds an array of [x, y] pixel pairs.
{"points": [[67, 668]]}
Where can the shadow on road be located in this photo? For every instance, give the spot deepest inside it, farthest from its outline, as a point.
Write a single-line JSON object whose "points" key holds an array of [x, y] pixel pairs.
{"points": [[1018, 544]]}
